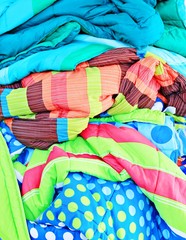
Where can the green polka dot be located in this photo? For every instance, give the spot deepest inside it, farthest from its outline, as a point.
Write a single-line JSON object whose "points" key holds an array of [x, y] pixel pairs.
{"points": [[50, 215], [85, 201], [101, 227], [69, 192], [111, 237], [100, 210], [89, 216], [58, 203], [81, 188], [132, 227], [67, 181], [62, 217], [89, 233], [121, 233], [141, 236], [41, 217], [121, 216], [72, 207], [110, 221], [76, 223], [109, 205], [96, 196]]}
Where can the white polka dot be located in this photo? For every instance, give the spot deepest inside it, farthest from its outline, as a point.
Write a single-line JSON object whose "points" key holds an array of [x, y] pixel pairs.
{"points": [[139, 190], [132, 210], [68, 236], [34, 233], [166, 234], [141, 221], [77, 176], [120, 199], [101, 181], [50, 236], [43, 225], [141, 204], [106, 191], [61, 224], [152, 225], [116, 186], [7, 137], [130, 194], [16, 143], [148, 216], [152, 237], [3, 130], [148, 231], [90, 186], [158, 220], [82, 236]]}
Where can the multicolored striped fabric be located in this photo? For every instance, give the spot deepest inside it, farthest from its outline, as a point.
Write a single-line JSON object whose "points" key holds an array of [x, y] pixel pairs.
{"points": [[56, 106], [115, 82], [151, 77], [158, 177]]}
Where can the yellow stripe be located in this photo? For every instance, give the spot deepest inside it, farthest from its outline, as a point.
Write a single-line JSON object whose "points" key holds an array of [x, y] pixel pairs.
{"points": [[17, 102]]}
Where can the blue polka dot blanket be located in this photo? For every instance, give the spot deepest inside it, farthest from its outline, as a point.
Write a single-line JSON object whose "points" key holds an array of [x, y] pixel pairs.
{"points": [[90, 208]]}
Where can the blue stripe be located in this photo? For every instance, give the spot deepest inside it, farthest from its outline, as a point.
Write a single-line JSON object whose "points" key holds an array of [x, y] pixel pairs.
{"points": [[62, 129], [4, 103]]}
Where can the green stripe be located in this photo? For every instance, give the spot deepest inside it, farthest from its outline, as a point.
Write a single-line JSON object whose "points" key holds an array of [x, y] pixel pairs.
{"points": [[165, 207], [12, 217], [94, 90], [37, 200], [18, 96]]}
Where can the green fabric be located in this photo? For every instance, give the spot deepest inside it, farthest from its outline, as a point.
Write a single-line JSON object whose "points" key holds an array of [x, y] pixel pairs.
{"points": [[12, 221]]}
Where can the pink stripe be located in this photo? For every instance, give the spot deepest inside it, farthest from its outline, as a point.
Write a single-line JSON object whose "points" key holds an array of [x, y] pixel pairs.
{"points": [[30, 182], [154, 181], [119, 135]]}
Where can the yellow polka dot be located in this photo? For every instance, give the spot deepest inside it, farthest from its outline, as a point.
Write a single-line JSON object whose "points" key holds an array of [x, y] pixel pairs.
{"points": [[76, 223], [69, 192], [121, 216], [67, 181], [96, 196], [50, 215], [72, 207], [62, 217], [89, 216], [109, 205], [81, 188], [58, 203], [121, 233], [85, 201], [111, 237], [141, 236], [89, 233], [132, 227], [100, 210], [101, 227], [110, 221]]}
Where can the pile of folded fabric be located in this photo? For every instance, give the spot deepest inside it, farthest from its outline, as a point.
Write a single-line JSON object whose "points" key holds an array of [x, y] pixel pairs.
{"points": [[92, 119]]}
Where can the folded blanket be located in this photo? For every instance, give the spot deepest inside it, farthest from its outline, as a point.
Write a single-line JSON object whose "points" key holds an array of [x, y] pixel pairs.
{"points": [[136, 23]]}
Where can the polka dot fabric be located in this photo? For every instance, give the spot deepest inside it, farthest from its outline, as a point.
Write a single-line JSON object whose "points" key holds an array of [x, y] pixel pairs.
{"points": [[91, 208], [170, 141], [14, 146]]}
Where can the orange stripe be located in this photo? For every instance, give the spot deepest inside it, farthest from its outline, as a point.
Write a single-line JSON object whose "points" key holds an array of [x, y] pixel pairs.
{"points": [[77, 95], [110, 82], [46, 93], [150, 90]]}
